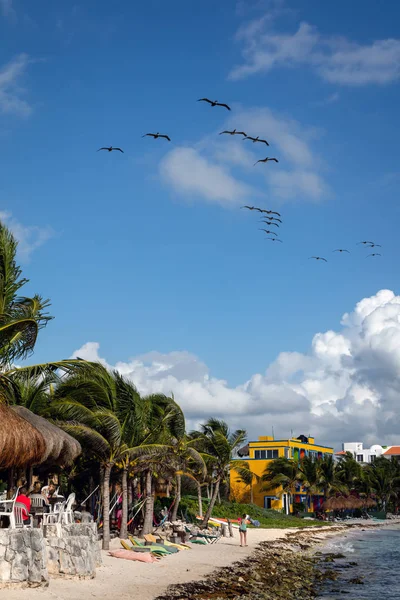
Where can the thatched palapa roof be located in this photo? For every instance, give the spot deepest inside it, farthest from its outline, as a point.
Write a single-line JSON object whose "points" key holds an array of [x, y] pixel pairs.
{"points": [[21, 444], [61, 448]]}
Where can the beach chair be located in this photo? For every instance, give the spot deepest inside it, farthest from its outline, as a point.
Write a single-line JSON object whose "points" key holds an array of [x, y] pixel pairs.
{"points": [[126, 546], [168, 543], [153, 548]]}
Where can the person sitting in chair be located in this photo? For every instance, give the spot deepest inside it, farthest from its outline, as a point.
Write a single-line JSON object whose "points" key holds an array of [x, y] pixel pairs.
{"points": [[24, 499]]}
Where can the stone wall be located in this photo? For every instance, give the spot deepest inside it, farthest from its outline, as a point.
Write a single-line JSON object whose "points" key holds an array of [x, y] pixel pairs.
{"points": [[72, 550], [30, 556], [23, 557]]}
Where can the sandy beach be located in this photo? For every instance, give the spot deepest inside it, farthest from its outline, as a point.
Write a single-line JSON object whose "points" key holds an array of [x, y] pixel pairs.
{"points": [[124, 579]]}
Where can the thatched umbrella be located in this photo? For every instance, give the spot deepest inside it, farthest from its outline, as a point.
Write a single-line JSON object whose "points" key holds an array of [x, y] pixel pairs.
{"points": [[352, 502], [61, 448], [21, 444], [369, 503], [335, 503]]}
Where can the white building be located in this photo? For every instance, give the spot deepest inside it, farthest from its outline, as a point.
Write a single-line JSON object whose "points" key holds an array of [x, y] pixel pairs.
{"points": [[361, 454]]}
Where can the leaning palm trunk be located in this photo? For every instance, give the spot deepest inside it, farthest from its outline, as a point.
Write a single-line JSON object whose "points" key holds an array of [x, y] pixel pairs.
{"points": [[123, 534], [106, 506], [211, 505], [199, 499], [177, 500], [148, 505]]}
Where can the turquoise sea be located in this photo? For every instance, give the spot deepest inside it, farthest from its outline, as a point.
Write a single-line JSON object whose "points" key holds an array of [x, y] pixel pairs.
{"points": [[377, 554]]}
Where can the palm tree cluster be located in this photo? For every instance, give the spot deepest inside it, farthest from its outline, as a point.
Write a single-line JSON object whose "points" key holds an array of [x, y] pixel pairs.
{"points": [[345, 479], [126, 437]]}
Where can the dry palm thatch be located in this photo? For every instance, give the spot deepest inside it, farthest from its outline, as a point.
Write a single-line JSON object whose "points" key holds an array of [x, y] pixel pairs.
{"points": [[369, 502], [21, 444], [335, 503], [352, 502], [61, 448]]}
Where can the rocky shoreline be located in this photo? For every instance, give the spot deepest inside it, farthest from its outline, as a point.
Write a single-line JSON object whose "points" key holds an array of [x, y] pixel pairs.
{"points": [[287, 569]]}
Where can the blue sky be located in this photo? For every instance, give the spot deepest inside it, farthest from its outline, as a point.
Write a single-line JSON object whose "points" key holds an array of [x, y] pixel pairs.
{"points": [[149, 251]]}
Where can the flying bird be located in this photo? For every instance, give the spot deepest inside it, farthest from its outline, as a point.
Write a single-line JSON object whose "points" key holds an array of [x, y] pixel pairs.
{"points": [[110, 149], [341, 250], [234, 132], [375, 254], [256, 139], [318, 258], [372, 245], [214, 102], [274, 219], [267, 231], [265, 160], [364, 243], [271, 212], [275, 240], [270, 223], [157, 135], [252, 208]]}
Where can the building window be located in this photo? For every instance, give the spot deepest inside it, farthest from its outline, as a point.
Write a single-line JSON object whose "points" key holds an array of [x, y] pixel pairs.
{"points": [[266, 454], [372, 458], [360, 458], [260, 454]]}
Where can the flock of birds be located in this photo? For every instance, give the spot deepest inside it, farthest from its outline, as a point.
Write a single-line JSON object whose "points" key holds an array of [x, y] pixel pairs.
{"points": [[271, 221], [267, 216], [212, 103]]}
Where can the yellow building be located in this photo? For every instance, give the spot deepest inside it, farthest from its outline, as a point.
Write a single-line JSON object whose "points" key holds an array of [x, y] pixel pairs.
{"points": [[258, 454]]}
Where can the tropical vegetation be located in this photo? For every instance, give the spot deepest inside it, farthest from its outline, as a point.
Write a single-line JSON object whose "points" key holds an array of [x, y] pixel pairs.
{"points": [[345, 478]]}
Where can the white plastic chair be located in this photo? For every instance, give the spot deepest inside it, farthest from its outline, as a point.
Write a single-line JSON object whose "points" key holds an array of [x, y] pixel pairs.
{"points": [[55, 514], [68, 515], [17, 518], [7, 507]]}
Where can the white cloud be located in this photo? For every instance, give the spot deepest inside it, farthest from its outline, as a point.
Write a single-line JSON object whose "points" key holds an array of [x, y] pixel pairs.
{"points": [[29, 237], [346, 388], [10, 90], [188, 171], [216, 168], [335, 59]]}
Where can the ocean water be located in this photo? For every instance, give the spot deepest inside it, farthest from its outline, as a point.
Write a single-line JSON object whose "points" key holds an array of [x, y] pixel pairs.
{"points": [[377, 554]]}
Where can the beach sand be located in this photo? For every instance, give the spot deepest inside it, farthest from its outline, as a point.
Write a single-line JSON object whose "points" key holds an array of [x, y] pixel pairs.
{"points": [[123, 579]]}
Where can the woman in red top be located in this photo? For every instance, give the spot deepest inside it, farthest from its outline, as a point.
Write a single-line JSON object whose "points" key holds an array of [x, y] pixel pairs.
{"points": [[24, 499]]}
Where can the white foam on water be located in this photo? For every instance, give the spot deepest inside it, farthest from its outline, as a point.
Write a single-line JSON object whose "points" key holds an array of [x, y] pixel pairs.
{"points": [[338, 547]]}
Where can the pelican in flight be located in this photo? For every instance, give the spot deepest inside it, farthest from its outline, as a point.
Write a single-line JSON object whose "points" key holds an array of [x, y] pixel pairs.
{"points": [[256, 139], [265, 160], [110, 149], [157, 135], [233, 132], [318, 258], [214, 102], [341, 250]]}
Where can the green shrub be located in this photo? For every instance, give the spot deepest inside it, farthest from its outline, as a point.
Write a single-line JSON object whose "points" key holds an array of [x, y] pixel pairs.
{"points": [[234, 510]]}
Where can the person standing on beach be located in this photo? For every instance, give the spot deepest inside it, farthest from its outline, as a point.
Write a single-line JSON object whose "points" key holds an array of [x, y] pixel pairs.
{"points": [[243, 530]]}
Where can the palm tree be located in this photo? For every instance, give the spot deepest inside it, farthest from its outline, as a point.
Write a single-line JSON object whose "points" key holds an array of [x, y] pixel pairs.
{"points": [[219, 445], [28, 391], [86, 404], [153, 425], [21, 317], [184, 456], [383, 477], [348, 471], [328, 479], [282, 473], [308, 476]]}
